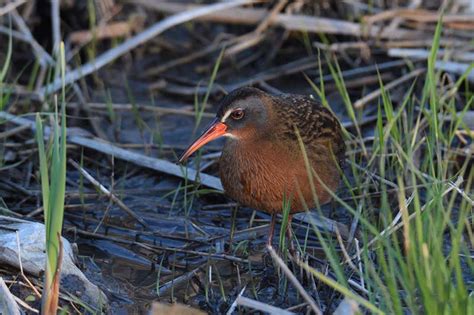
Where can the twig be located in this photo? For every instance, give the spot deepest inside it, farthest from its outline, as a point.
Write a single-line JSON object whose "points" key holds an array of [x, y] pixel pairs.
{"points": [[46, 60], [137, 233], [246, 234], [248, 41], [136, 158], [12, 131], [192, 56], [271, 16], [413, 4], [266, 308], [111, 12], [424, 53], [449, 66], [148, 162], [443, 42], [371, 174], [460, 191], [295, 307], [346, 74], [303, 23], [400, 212], [154, 248], [270, 74], [457, 68], [176, 281], [361, 102], [56, 27], [235, 303], [257, 36], [105, 31], [13, 33], [82, 101], [108, 193], [344, 252], [359, 262], [326, 224], [142, 108], [11, 6], [25, 305], [43, 57], [32, 287], [137, 40], [419, 15], [294, 281]]}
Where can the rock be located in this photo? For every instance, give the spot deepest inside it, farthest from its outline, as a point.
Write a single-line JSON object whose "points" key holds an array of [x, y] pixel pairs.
{"points": [[33, 258], [8, 304]]}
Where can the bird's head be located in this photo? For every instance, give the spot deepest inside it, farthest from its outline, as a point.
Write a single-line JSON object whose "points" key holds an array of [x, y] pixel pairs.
{"points": [[243, 114]]}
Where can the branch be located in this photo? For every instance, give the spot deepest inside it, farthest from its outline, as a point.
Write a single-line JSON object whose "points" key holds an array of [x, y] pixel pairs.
{"points": [[133, 157], [137, 40]]}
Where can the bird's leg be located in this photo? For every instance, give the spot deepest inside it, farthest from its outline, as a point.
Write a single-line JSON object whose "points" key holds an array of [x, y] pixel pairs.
{"points": [[289, 235], [272, 228]]}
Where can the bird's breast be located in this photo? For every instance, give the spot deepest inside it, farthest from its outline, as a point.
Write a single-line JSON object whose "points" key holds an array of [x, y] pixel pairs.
{"points": [[262, 175]]}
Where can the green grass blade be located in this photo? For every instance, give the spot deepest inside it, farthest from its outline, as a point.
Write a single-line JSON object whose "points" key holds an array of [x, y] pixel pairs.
{"points": [[43, 166]]}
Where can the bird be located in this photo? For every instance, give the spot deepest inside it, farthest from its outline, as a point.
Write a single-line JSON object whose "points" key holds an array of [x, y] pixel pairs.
{"points": [[279, 148]]}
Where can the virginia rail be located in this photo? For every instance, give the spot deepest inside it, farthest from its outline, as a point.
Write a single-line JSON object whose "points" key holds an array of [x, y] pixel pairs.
{"points": [[263, 163]]}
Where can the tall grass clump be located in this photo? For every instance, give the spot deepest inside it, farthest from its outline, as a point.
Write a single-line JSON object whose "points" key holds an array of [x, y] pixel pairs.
{"points": [[53, 184], [3, 73], [416, 234], [4, 93]]}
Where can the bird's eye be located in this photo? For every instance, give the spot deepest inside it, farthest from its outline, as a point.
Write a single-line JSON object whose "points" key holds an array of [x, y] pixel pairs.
{"points": [[237, 114]]}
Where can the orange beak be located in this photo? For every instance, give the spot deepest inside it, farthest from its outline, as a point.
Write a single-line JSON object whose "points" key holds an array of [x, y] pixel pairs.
{"points": [[215, 130]]}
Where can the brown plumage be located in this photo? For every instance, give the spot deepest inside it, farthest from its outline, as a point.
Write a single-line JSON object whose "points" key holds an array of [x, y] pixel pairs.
{"points": [[262, 161]]}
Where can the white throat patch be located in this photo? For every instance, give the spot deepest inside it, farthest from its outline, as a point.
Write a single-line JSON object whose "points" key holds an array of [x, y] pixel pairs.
{"points": [[229, 135]]}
